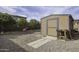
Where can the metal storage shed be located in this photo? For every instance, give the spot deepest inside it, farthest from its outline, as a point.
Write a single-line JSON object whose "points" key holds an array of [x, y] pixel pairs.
{"points": [[52, 23]]}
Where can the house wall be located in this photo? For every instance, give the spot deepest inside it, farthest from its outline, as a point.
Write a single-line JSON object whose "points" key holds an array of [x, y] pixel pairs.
{"points": [[76, 25]]}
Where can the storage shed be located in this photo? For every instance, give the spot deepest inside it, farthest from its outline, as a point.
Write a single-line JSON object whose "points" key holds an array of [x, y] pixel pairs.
{"points": [[50, 25]]}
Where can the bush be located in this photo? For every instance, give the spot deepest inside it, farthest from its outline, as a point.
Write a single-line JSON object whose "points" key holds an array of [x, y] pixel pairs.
{"points": [[34, 24], [22, 23]]}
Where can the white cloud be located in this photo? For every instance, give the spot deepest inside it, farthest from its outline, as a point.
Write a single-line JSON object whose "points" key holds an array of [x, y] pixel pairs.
{"points": [[38, 12], [8, 9]]}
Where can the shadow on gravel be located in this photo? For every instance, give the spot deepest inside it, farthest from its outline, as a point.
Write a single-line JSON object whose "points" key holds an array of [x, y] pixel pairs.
{"points": [[75, 36], [20, 32], [7, 45]]}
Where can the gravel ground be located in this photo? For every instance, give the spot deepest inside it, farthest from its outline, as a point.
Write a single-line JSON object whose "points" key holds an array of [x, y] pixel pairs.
{"points": [[19, 43]]}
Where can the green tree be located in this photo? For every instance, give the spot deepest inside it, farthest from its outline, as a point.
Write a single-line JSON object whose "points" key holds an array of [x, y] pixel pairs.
{"points": [[7, 22], [22, 23], [0, 24], [34, 24]]}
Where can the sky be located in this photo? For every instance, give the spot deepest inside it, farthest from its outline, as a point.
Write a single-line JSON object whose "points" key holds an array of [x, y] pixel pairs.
{"points": [[37, 12]]}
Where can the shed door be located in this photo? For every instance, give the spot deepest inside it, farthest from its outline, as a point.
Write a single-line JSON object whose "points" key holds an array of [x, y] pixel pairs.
{"points": [[52, 27]]}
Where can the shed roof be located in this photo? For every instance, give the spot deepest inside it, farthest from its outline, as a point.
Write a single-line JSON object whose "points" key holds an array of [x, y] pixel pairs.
{"points": [[57, 15]]}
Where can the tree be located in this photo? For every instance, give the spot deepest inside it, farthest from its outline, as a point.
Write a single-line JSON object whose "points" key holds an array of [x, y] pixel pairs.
{"points": [[22, 23], [34, 24], [0, 24], [7, 22]]}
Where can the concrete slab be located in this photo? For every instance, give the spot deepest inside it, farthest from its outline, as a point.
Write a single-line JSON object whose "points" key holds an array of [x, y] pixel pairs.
{"points": [[40, 42]]}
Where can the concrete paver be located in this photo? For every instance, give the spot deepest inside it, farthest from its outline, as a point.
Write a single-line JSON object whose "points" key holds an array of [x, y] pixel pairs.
{"points": [[41, 42]]}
